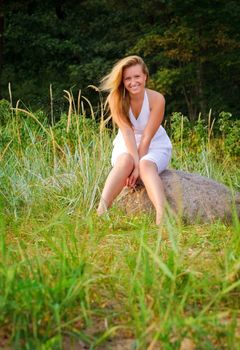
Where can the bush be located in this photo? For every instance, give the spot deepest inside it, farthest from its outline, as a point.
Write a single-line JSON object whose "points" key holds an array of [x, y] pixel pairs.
{"points": [[230, 131], [5, 112]]}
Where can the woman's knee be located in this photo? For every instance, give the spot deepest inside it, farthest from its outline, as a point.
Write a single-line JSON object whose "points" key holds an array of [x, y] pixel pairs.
{"points": [[145, 166], [125, 161]]}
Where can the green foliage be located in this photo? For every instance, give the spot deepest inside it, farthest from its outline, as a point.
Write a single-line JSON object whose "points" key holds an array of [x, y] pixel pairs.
{"points": [[5, 112], [200, 129], [193, 56], [166, 80], [230, 130], [69, 277], [196, 134], [180, 127]]}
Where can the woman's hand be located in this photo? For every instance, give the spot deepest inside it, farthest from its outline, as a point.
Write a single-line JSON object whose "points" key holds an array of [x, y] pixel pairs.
{"points": [[131, 180]]}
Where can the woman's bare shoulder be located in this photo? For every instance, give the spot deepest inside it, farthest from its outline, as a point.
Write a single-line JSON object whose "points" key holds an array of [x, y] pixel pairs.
{"points": [[155, 97]]}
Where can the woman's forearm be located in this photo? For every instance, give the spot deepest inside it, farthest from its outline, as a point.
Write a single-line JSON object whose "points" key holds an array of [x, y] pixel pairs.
{"points": [[130, 142], [143, 147]]}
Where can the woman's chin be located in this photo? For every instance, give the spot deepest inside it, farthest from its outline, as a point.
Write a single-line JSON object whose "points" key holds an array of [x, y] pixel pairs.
{"points": [[136, 91]]}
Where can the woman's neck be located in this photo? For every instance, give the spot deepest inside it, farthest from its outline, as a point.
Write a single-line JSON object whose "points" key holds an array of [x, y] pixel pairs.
{"points": [[137, 97]]}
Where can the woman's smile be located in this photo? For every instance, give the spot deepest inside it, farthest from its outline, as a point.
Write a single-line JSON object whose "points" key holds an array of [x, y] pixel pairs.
{"points": [[134, 79]]}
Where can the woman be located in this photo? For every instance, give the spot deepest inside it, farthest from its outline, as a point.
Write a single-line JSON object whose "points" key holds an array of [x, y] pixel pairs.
{"points": [[141, 147]]}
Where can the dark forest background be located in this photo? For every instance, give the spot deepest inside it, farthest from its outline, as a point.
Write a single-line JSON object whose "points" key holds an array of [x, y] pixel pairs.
{"points": [[192, 49]]}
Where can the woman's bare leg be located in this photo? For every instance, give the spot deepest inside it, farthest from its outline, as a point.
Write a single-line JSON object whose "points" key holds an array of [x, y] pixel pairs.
{"points": [[115, 182], [154, 186]]}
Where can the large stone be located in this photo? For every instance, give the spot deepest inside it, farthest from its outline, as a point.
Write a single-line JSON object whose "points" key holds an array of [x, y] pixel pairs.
{"points": [[192, 197]]}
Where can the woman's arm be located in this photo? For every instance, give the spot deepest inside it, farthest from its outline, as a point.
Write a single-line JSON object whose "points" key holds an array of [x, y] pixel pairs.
{"points": [[157, 107], [130, 141], [127, 132]]}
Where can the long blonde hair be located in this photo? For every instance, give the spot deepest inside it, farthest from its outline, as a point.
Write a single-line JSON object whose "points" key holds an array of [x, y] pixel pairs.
{"points": [[118, 98]]}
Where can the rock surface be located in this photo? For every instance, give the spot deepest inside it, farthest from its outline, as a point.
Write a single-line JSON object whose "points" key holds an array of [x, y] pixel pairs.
{"points": [[192, 197]]}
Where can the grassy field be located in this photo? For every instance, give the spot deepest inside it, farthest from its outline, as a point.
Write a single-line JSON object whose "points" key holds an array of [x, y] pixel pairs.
{"points": [[72, 280]]}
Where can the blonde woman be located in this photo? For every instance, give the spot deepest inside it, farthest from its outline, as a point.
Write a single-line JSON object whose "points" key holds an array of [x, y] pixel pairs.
{"points": [[142, 148]]}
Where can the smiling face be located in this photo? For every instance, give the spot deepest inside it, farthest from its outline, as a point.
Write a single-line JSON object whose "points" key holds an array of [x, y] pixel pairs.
{"points": [[134, 79]]}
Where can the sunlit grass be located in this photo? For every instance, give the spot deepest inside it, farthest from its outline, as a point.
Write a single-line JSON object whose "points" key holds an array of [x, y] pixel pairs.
{"points": [[68, 276]]}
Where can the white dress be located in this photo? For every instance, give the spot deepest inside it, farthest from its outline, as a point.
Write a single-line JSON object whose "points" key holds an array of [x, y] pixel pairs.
{"points": [[160, 148]]}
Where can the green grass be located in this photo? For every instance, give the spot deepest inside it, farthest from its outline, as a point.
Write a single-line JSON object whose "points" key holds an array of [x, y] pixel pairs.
{"points": [[68, 277]]}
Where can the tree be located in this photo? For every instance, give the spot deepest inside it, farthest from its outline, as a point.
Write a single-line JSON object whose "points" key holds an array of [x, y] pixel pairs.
{"points": [[1, 40], [191, 48], [191, 54]]}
